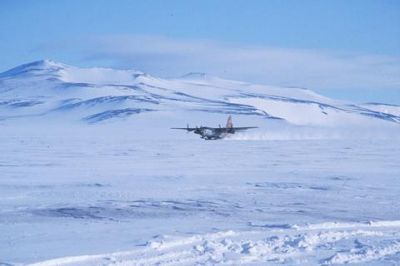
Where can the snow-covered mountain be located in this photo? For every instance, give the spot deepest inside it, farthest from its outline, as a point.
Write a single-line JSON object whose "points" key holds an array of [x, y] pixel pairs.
{"points": [[91, 173], [50, 90]]}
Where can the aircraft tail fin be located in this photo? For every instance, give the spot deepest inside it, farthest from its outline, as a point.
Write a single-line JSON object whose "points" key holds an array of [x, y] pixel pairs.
{"points": [[229, 123]]}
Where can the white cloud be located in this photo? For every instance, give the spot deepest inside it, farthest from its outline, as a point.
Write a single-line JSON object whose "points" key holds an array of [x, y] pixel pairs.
{"points": [[164, 56]]}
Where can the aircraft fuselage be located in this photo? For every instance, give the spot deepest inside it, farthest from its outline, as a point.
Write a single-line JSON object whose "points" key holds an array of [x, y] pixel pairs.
{"points": [[209, 133]]}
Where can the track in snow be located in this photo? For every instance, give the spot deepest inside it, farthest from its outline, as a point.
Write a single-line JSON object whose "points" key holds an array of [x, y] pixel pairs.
{"points": [[332, 243]]}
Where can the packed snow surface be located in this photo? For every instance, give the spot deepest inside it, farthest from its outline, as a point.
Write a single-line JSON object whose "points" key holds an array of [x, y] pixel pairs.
{"points": [[91, 174]]}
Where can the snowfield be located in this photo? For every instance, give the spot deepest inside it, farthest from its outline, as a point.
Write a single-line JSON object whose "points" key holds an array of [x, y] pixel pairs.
{"points": [[275, 246], [91, 174]]}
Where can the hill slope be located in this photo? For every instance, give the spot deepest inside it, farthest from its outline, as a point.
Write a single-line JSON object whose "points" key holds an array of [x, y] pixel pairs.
{"points": [[47, 89]]}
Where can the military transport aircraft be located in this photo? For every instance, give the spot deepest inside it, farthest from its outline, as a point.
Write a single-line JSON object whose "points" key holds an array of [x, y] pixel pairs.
{"points": [[209, 133]]}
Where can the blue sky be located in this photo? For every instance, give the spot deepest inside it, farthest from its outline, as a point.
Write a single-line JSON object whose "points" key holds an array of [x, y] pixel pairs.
{"points": [[347, 49]]}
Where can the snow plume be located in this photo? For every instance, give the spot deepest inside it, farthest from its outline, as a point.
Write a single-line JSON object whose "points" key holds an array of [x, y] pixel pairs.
{"points": [[318, 133]]}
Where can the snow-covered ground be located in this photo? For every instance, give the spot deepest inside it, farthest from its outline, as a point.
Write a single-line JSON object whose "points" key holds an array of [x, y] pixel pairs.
{"points": [[91, 174]]}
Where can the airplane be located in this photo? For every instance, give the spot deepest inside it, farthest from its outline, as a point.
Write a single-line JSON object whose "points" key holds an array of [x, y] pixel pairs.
{"points": [[213, 133]]}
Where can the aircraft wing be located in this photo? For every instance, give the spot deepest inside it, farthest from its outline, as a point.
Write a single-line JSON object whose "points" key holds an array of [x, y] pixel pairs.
{"points": [[185, 128], [224, 129], [242, 128]]}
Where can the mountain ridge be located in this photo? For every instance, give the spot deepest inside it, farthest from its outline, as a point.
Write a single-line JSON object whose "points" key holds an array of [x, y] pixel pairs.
{"points": [[47, 88]]}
